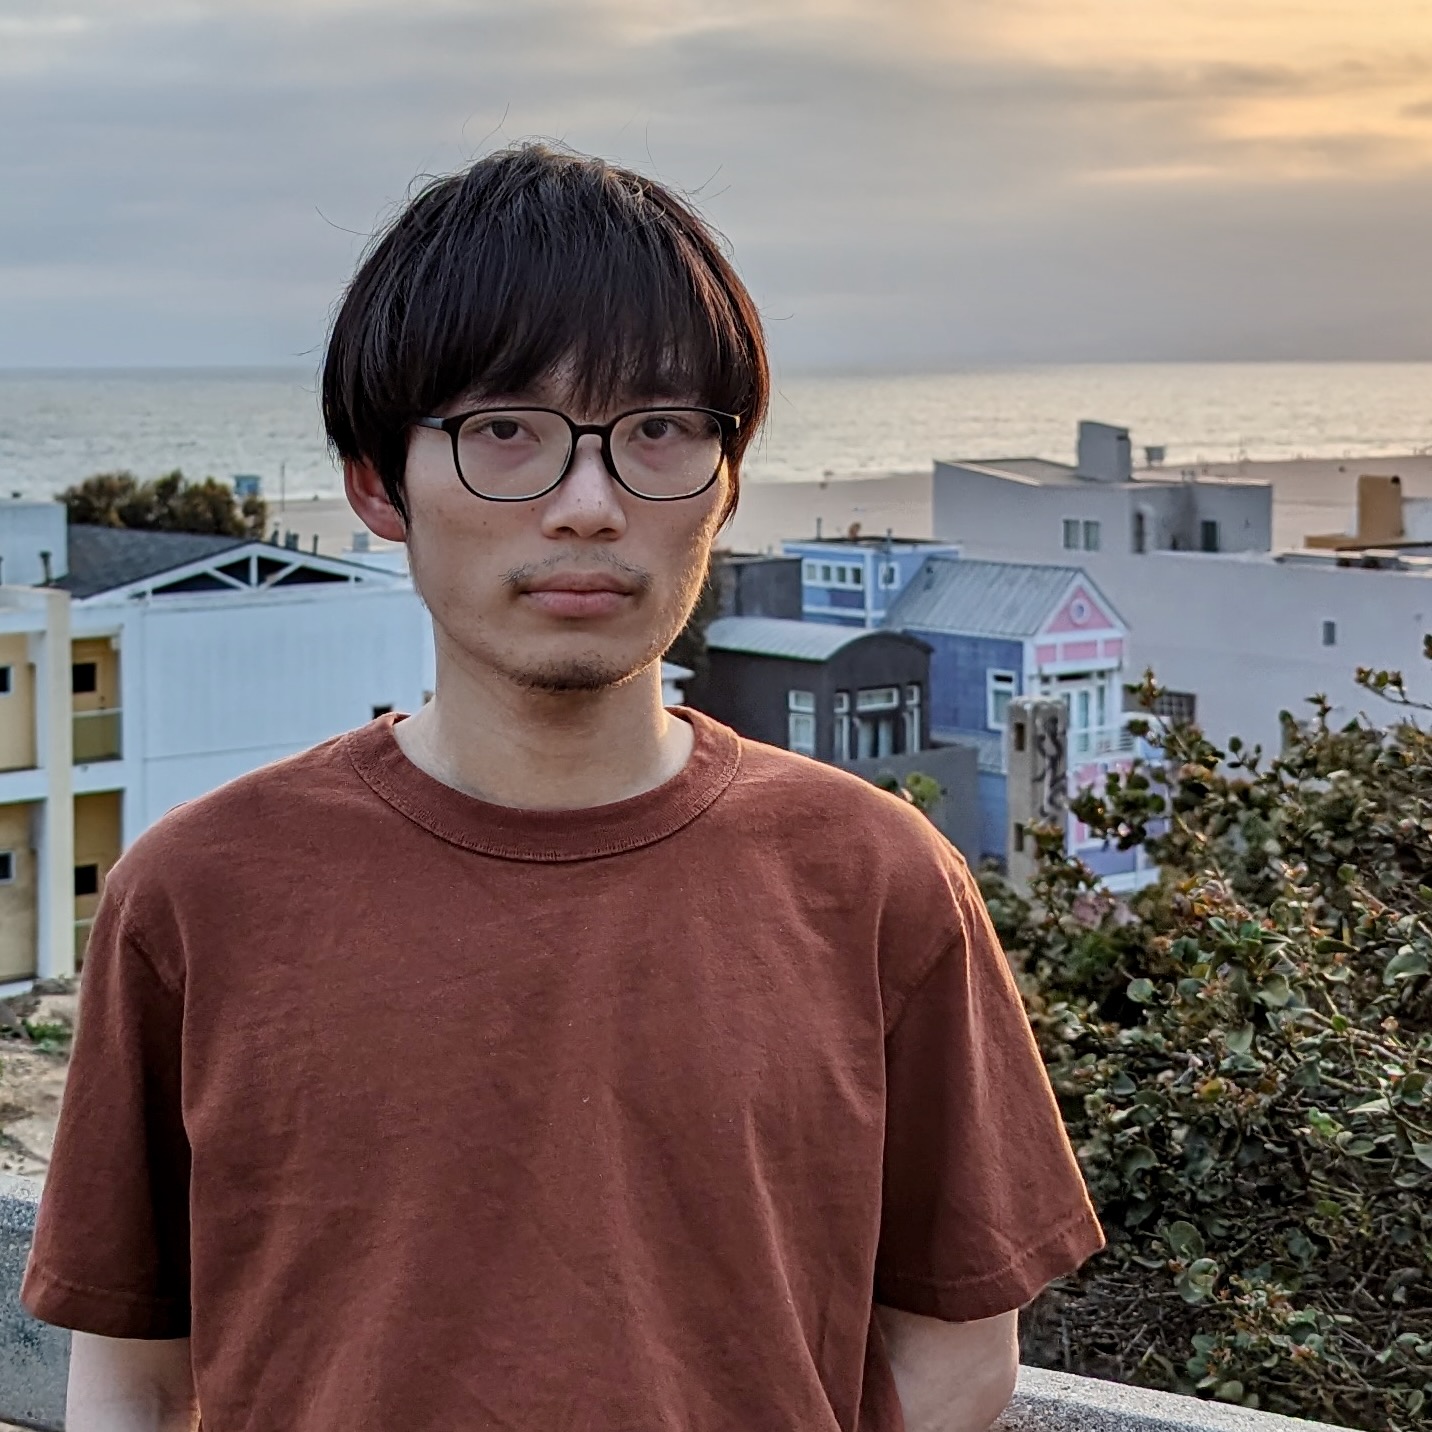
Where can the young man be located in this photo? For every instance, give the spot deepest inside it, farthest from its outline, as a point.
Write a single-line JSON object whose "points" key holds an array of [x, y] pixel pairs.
{"points": [[548, 1061]]}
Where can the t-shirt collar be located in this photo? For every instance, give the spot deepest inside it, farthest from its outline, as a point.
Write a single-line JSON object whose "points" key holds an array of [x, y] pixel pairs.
{"points": [[546, 835]]}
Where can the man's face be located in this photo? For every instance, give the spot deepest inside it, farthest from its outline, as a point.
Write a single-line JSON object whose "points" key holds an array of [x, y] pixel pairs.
{"points": [[576, 590]]}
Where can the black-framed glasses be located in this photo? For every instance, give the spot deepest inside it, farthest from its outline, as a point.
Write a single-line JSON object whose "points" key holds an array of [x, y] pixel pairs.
{"points": [[518, 454]]}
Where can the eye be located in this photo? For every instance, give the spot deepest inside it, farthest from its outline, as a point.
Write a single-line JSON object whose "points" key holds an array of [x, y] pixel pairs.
{"points": [[654, 427], [501, 428]]}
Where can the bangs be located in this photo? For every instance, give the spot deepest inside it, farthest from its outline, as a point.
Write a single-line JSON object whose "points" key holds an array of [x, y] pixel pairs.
{"points": [[539, 270]]}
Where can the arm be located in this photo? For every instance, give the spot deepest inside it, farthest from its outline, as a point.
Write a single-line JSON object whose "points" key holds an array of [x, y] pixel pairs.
{"points": [[951, 1377], [130, 1385]]}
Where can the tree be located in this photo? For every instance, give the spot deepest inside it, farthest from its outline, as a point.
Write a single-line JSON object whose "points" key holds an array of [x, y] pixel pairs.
{"points": [[1243, 1054], [167, 504]]}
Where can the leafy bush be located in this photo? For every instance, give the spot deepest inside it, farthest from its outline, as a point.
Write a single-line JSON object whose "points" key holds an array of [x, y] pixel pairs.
{"points": [[171, 503], [1243, 1053]]}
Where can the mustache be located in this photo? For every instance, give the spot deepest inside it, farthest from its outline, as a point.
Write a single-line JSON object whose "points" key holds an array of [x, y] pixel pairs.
{"points": [[517, 578]]}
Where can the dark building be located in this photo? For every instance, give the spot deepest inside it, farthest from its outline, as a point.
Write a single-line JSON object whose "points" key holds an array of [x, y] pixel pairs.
{"points": [[750, 584], [835, 693]]}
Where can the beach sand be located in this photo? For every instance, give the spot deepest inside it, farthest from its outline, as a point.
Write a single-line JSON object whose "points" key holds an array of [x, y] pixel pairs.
{"points": [[1310, 495]]}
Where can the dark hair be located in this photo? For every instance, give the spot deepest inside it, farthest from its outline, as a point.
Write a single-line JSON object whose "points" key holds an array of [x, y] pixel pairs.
{"points": [[534, 257]]}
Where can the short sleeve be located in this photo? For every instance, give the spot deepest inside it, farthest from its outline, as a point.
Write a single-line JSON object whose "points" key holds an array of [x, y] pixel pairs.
{"points": [[111, 1248], [983, 1201]]}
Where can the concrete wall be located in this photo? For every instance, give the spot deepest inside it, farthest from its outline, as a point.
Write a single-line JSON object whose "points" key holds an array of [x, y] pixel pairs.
{"points": [[19, 895], [34, 1363], [34, 1358], [17, 706], [957, 813], [993, 516], [1245, 634], [757, 586]]}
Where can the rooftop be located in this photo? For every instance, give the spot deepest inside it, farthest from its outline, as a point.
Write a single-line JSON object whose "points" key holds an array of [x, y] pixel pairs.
{"points": [[1041, 472], [969, 597], [869, 541], [102, 558], [780, 636]]}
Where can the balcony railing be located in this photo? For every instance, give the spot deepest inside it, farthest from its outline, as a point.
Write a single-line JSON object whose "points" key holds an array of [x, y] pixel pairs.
{"points": [[97, 736]]}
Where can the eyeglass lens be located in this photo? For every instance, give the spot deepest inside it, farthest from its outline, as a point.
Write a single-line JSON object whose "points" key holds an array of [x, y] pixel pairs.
{"points": [[666, 452]]}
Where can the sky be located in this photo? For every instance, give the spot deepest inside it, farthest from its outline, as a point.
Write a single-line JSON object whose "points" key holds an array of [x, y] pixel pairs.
{"points": [[903, 183]]}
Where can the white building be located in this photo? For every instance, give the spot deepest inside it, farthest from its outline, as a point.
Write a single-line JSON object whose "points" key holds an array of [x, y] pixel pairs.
{"points": [[1236, 632], [154, 668], [1032, 509]]}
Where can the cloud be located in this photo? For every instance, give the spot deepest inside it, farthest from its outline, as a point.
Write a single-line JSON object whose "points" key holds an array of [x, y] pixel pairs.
{"points": [[197, 179]]}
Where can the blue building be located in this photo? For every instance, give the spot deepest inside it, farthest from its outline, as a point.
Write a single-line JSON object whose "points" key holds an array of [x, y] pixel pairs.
{"points": [[852, 581], [998, 630]]}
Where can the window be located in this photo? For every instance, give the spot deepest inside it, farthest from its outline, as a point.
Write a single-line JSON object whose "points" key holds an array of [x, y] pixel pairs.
{"points": [[800, 733], [889, 575], [825, 573], [1179, 708], [912, 719], [1330, 633], [857, 577], [1208, 536], [7, 866], [86, 880], [842, 725], [381, 711], [1071, 534], [1000, 689], [1092, 537], [1141, 532], [84, 678], [5, 681], [809, 571], [878, 698], [800, 722]]}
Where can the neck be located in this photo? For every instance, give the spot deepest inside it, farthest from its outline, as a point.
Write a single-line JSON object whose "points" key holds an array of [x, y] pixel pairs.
{"points": [[540, 750]]}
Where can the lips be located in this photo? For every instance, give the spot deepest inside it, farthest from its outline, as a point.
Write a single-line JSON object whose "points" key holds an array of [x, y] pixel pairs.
{"points": [[579, 594]]}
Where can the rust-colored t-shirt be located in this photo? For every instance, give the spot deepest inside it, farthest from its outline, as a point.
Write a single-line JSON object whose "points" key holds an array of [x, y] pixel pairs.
{"points": [[421, 1113]]}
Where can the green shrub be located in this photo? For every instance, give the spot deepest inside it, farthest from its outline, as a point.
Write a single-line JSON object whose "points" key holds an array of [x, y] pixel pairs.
{"points": [[1243, 1053]]}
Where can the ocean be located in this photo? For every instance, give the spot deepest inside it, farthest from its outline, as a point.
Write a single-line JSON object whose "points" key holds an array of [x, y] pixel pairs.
{"points": [[57, 427]]}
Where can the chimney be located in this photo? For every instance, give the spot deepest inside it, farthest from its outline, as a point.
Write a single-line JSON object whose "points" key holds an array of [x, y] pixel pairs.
{"points": [[1104, 453], [315, 544], [45, 565]]}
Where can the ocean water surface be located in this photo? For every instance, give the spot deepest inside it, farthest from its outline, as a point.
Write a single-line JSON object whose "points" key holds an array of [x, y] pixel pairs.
{"points": [[57, 427]]}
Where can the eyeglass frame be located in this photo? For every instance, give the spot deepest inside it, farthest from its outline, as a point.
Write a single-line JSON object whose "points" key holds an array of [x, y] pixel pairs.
{"points": [[729, 423]]}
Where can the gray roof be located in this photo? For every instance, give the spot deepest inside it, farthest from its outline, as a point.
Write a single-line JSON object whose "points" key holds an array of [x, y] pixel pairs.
{"points": [[102, 558], [780, 636], [968, 597]]}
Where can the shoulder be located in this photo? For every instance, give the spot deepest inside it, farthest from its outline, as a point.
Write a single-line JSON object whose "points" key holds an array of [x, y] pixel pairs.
{"points": [[889, 850], [809, 792], [261, 818]]}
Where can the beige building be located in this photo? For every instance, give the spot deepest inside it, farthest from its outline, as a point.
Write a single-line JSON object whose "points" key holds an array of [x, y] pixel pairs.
{"points": [[43, 913]]}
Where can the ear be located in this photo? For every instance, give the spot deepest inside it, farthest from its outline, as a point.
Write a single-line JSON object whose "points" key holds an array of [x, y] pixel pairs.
{"points": [[368, 499]]}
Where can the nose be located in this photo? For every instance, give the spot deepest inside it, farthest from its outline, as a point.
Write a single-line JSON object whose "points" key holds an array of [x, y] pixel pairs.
{"points": [[588, 501]]}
